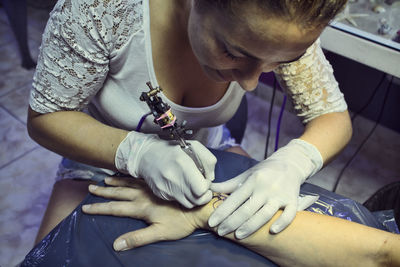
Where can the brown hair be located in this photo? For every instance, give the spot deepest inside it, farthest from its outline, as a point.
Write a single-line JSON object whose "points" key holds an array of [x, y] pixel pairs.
{"points": [[306, 13]]}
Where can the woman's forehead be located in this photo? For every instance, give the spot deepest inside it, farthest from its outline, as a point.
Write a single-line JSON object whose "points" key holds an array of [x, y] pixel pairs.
{"points": [[260, 34]]}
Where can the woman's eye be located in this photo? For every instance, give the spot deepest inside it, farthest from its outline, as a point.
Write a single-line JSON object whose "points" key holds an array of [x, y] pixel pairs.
{"points": [[229, 55]]}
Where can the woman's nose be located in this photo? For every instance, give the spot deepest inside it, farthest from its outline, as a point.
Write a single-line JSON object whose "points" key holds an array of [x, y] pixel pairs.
{"points": [[248, 78]]}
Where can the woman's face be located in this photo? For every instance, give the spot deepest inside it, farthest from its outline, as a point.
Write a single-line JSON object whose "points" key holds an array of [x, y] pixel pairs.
{"points": [[240, 49]]}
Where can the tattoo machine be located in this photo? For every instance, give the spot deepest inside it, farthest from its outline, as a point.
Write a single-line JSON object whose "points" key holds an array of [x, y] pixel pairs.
{"points": [[164, 117]]}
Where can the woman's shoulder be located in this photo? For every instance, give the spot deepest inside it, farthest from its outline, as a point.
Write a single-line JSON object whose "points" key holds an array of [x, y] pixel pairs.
{"points": [[110, 22], [100, 8]]}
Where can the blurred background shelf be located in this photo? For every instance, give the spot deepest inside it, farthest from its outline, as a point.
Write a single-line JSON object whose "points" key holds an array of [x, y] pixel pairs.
{"points": [[355, 35]]}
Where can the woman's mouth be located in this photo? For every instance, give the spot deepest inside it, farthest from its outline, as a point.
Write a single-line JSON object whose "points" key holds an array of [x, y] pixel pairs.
{"points": [[216, 75], [221, 75]]}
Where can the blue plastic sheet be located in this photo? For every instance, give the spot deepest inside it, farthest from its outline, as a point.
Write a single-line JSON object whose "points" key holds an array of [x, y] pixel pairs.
{"points": [[387, 219], [86, 240]]}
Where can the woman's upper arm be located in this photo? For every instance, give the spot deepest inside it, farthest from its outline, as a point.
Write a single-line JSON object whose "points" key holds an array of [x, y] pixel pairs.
{"points": [[311, 85], [78, 42]]}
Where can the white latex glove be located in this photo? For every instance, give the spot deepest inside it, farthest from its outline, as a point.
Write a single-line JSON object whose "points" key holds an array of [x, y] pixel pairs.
{"points": [[262, 190], [167, 169]]}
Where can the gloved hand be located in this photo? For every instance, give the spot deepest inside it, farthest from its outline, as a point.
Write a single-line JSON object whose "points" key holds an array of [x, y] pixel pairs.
{"points": [[167, 169], [262, 190]]}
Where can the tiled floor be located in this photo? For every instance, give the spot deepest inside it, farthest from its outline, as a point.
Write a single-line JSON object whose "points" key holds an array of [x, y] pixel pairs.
{"points": [[27, 171]]}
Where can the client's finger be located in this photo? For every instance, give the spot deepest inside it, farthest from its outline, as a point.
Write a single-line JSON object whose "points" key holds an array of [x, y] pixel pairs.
{"points": [[124, 182], [119, 193], [115, 208], [138, 238]]}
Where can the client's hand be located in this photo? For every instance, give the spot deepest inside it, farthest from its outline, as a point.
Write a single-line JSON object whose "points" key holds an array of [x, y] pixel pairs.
{"points": [[259, 192], [168, 220]]}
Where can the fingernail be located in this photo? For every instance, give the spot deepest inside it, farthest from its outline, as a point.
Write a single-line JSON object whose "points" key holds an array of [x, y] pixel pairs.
{"points": [[120, 245], [240, 234], [212, 222], [108, 179], [274, 229], [86, 207], [222, 231], [92, 187]]}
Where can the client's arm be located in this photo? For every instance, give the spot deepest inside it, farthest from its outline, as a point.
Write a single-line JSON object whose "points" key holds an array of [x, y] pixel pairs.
{"points": [[311, 240]]}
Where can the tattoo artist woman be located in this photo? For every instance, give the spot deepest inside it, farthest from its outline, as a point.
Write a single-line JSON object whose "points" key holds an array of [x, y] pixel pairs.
{"points": [[96, 57]]}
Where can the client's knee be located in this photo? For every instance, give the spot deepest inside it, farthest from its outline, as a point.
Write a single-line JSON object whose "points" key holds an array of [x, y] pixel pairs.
{"points": [[68, 193]]}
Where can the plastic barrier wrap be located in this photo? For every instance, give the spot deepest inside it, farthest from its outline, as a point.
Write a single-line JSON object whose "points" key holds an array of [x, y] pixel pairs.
{"points": [[387, 219], [86, 240]]}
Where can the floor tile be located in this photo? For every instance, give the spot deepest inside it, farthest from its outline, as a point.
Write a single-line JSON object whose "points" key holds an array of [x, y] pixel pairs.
{"points": [[13, 75], [34, 34], [24, 191], [16, 102], [14, 139], [34, 31], [6, 34], [3, 16], [375, 165], [37, 17]]}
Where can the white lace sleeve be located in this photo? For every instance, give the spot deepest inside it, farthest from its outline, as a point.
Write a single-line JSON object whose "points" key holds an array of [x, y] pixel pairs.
{"points": [[80, 38], [310, 84]]}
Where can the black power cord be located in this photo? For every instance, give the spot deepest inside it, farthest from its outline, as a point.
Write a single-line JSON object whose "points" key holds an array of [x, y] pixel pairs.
{"points": [[368, 136], [270, 117]]}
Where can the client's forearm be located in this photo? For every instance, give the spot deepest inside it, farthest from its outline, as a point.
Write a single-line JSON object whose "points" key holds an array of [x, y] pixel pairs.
{"points": [[319, 240], [310, 240]]}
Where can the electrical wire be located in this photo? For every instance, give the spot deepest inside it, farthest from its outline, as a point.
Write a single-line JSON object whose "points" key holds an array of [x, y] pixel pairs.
{"points": [[370, 98], [139, 126], [270, 117], [366, 139]]}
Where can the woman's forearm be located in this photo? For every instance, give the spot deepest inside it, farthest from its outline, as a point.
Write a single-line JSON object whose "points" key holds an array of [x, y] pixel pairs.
{"points": [[329, 133], [319, 240], [77, 136]]}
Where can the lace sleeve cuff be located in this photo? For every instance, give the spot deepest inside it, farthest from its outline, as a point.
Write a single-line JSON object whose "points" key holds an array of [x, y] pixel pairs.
{"points": [[310, 84]]}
